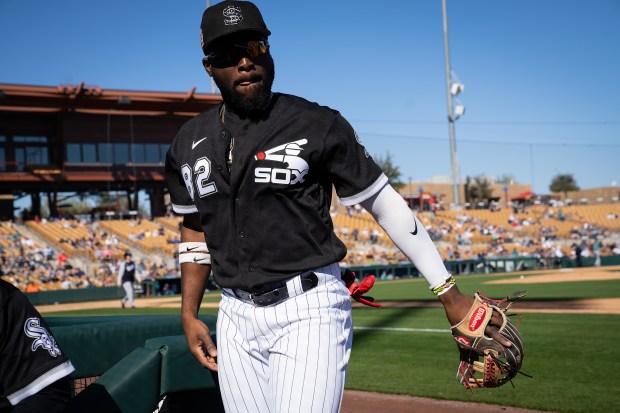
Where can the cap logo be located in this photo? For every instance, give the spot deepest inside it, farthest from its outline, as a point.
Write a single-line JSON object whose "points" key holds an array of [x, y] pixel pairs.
{"points": [[232, 15]]}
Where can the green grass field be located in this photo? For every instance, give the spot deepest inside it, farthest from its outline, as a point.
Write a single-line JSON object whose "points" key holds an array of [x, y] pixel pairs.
{"points": [[573, 357]]}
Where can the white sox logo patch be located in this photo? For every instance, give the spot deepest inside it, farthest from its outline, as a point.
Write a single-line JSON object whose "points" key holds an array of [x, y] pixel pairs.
{"points": [[33, 329], [232, 15], [296, 167]]}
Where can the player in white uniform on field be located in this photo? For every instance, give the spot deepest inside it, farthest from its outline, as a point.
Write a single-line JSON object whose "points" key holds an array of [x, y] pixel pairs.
{"points": [[253, 178]]}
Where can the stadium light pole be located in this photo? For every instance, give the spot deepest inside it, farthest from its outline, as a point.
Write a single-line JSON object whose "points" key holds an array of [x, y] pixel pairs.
{"points": [[453, 155]]}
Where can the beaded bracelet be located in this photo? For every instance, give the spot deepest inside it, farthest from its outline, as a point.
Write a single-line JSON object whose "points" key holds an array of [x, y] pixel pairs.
{"points": [[443, 288]]}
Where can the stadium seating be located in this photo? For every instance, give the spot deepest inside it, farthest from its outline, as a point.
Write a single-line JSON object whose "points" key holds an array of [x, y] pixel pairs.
{"points": [[80, 239], [146, 235], [466, 234]]}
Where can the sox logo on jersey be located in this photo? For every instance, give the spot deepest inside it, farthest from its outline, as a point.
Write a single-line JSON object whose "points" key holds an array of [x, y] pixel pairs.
{"points": [[296, 167], [33, 329]]}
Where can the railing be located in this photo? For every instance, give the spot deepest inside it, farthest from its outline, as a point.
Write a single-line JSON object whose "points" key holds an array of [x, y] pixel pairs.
{"points": [[489, 265]]}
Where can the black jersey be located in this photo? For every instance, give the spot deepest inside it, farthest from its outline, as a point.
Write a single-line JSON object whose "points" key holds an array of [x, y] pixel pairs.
{"points": [[268, 218], [30, 359], [128, 270]]}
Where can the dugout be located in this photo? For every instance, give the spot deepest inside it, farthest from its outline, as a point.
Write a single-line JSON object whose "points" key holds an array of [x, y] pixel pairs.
{"points": [[127, 364], [85, 139]]}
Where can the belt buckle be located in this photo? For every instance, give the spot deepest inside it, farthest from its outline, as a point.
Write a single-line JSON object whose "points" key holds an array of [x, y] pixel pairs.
{"points": [[243, 295], [278, 294], [271, 297]]}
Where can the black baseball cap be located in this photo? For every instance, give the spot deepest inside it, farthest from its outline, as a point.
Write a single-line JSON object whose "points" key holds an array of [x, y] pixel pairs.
{"points": [[230, 17]]}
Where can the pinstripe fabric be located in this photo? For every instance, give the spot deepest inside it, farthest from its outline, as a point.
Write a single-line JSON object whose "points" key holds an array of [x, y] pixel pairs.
{"points": [[289, 357]]}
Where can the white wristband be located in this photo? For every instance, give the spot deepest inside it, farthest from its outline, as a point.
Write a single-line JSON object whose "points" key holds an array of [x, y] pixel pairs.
{"points": [[193, 247], [195, 258], [447, 288]]}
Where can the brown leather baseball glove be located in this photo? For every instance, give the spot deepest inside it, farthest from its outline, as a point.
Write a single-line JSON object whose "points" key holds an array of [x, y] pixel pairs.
{"points": [[485, 362]]}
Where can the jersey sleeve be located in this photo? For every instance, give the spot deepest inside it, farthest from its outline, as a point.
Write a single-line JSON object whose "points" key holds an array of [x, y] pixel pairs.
{"points": [[356, 176], [178, 178], [30, 357]]}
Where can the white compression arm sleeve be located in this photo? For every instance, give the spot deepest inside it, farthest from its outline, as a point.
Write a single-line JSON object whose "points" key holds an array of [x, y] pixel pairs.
{"points": [[391, 212]]}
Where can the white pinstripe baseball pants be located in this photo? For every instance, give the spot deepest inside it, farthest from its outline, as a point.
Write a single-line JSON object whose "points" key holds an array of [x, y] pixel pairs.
{"points": [[289, 357], [128, 287]]}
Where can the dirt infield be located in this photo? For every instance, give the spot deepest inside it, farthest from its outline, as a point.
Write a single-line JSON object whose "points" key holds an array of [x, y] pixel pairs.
{"points": [[591, 306], [566, 275], [367, 402]]}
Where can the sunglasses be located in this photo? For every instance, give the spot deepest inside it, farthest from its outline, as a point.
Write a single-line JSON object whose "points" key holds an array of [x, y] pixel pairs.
{"points": [[232, 53]]}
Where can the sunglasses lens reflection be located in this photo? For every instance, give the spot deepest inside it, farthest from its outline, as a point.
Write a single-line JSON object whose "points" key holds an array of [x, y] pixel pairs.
{"points": [[233, 53]]}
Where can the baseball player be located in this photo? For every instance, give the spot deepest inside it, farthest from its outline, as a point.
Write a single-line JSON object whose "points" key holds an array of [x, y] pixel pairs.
{"points": [[34, 373], [126, 278], [253, 178]]}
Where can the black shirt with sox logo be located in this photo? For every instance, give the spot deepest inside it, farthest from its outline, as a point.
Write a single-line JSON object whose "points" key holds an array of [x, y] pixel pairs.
{"points": [[30, 358], [268, 218]]}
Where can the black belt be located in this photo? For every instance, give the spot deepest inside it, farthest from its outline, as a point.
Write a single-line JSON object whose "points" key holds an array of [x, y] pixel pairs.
{"points": [[277, 292]]}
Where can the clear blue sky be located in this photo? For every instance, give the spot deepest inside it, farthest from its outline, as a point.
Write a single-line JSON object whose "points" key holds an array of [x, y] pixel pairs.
{"points": [[542, 89]]}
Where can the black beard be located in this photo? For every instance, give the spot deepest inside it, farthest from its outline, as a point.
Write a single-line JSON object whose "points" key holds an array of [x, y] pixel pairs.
{"points": [[243, 106]]}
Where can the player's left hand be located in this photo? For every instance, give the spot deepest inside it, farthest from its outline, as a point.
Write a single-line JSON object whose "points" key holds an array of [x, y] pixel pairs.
{"points": [[457, 305], [485, 360]]}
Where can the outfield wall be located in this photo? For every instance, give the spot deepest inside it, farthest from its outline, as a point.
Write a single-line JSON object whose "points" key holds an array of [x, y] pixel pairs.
{"points": [[457, 267], [489, 265]]}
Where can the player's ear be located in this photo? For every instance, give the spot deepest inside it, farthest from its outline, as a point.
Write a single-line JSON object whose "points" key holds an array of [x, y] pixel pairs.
{"points": [[207, 66]]}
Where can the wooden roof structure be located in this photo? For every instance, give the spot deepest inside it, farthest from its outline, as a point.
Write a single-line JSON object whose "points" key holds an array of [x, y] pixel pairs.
{"points": [[64, 111], [83, 98]]}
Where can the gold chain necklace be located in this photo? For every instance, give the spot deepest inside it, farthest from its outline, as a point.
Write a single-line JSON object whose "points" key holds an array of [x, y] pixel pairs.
{"points": [[231, 144]]}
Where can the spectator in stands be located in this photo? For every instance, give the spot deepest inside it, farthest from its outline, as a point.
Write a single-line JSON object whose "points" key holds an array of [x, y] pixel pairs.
{"points": [[559, 256], [86, 283], [31, 287], [596, 248], [126, 278], [62, 258], [577, 250], [374, 236], [167, 290], [540, 261], [35, 372], [66, 283]]}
